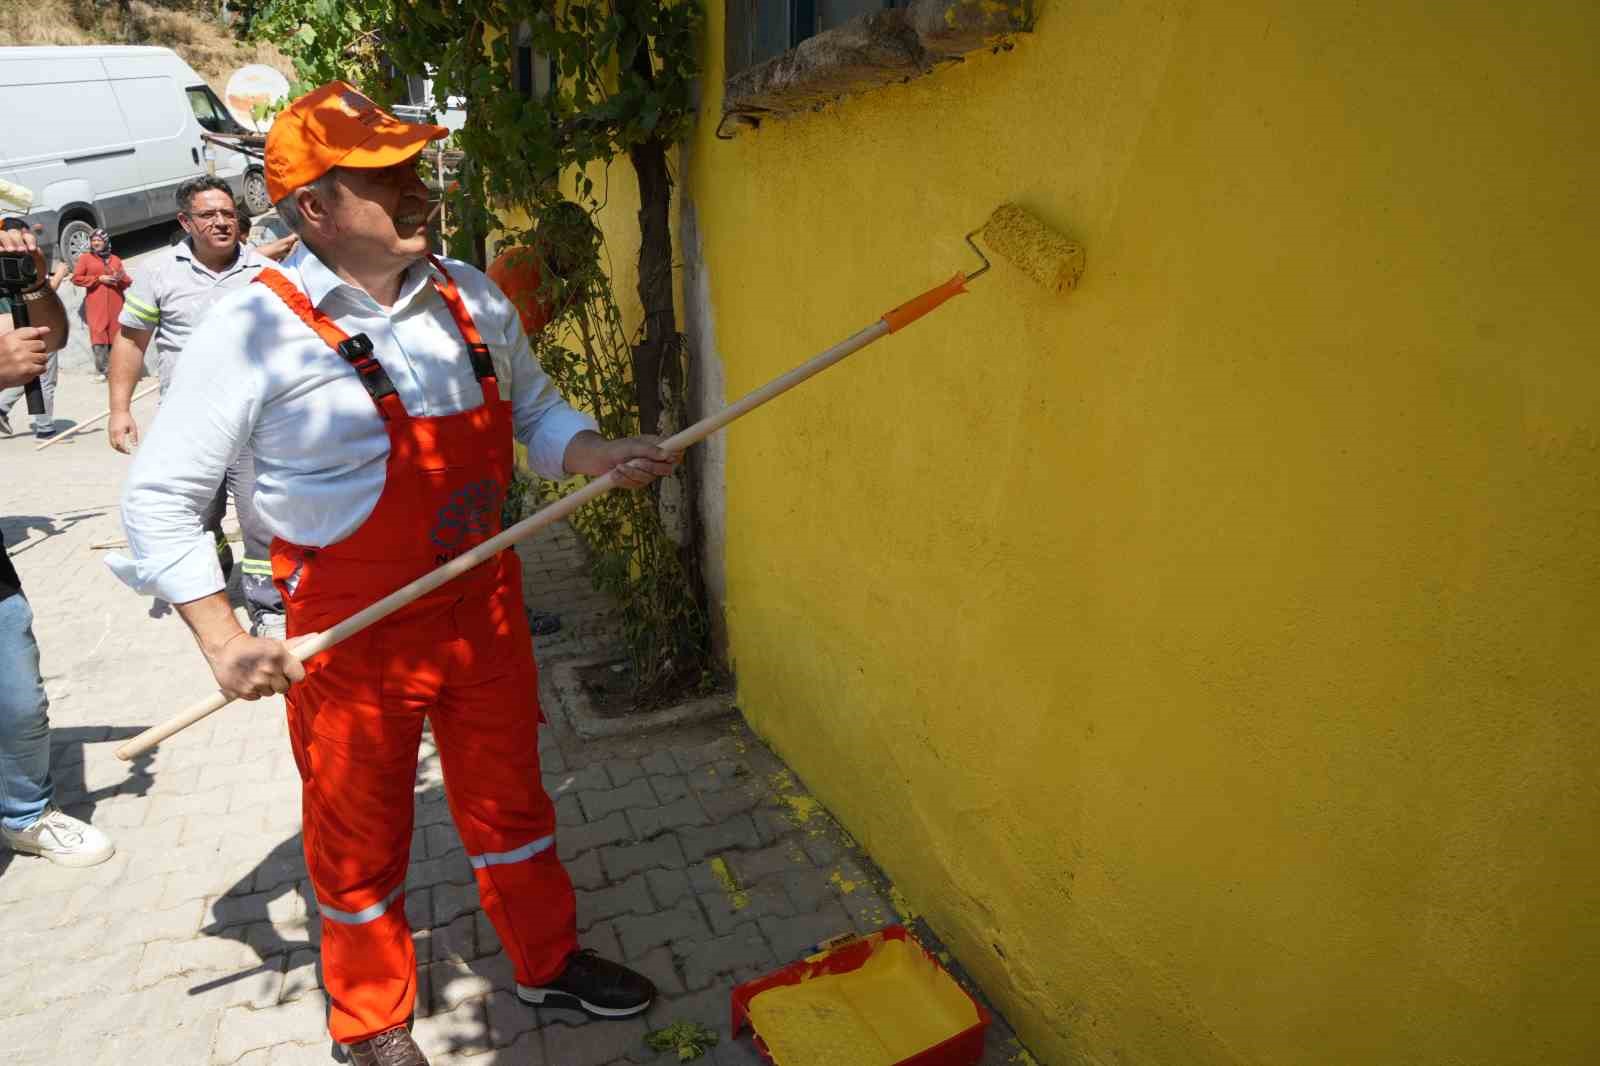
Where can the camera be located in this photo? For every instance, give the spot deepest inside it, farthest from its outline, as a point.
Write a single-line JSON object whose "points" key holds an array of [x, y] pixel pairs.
{"points": [[17, 269], [18, 273]]}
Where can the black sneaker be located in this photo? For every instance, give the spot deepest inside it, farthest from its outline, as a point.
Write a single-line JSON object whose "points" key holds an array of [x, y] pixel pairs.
{"points": [[595, 986]]}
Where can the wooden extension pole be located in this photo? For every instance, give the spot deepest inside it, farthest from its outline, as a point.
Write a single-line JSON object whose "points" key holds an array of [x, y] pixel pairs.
{"points": [[80, 427], [316, 643]]}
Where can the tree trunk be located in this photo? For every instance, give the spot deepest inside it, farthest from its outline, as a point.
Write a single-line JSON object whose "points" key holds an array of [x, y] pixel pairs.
{"points": [[652, 369], [659, 361]]}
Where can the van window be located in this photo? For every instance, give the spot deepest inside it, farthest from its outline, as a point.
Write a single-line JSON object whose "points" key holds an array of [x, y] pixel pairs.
{"points": [[64, 120], [152, 107], [209, 112]]}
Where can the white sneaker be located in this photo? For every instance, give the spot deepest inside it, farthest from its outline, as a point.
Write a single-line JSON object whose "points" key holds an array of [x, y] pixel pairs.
{"points": [[63, 839]]}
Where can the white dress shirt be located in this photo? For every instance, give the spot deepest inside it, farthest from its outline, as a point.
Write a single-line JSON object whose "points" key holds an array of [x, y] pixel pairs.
{"points": [[254, 374]]}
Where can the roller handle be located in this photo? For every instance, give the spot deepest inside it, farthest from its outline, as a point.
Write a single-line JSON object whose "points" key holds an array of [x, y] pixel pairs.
{"points": [[915, 308], [178, 722], [315, 644]]}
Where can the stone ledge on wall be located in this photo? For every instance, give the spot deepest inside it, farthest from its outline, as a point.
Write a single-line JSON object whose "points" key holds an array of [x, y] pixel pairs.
{"points": [[879, 49]]}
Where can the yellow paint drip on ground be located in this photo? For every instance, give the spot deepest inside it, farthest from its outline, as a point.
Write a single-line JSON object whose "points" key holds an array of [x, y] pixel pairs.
{"points": [[897, 1004], [738, 897], [843, 883], [802, 808]]}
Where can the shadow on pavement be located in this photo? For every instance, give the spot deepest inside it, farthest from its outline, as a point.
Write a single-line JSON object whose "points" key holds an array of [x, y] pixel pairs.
{"points": [[253, 913], [19, 529]]}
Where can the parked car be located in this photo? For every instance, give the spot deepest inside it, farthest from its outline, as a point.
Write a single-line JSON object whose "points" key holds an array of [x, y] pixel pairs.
{"points": [[103, 136]]}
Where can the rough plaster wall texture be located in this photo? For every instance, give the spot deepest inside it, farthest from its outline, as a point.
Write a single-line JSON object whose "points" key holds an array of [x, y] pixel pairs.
{"points": [[708, 395], [1211, 654]]}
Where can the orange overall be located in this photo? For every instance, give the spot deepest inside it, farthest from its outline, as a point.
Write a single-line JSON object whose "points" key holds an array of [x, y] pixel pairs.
{"points": [[461, 656]]}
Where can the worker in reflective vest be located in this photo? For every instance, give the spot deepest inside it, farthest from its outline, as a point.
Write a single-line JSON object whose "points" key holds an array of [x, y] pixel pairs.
{"points": [[380, 390]]}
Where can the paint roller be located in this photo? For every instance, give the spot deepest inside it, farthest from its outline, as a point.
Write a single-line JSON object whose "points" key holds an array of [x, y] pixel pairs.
{"points": [[14, 195], [1011, 232]]}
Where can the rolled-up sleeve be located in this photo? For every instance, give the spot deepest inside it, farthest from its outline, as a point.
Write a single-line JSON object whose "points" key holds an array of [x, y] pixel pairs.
{"points": [[141, 303], [205, 418], [544, 421]]}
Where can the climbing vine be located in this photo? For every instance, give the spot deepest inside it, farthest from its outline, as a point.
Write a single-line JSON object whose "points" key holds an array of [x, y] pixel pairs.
{"points": [[553, 93], [327, 40], [634, 536]]}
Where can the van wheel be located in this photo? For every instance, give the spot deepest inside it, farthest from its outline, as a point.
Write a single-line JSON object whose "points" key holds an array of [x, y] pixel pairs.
{"points": [[75, 239], [256, 200]]}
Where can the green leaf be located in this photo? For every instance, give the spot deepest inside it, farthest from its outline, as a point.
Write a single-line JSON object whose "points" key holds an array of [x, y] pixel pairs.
{"points": [[690, 1040]]}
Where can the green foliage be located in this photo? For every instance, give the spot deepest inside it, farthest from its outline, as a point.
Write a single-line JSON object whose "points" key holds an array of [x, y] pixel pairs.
{"points": [[329, 40], [622, 72], [690, 1040], [635, 558]]}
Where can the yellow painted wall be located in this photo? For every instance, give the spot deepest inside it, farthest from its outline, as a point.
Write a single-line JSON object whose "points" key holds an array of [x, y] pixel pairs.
{"points": [[1212, 656]]}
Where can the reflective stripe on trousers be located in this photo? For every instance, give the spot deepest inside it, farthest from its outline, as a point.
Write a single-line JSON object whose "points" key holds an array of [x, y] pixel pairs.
{"points": [[505, 858], [363, 916]]}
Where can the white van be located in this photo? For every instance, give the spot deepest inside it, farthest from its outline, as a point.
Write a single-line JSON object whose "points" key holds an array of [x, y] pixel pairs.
{"points": [[104, 137]]}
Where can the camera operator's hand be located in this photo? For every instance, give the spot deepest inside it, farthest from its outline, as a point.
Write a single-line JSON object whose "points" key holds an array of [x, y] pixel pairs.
{"points": [[23, 242], [22, 355]]}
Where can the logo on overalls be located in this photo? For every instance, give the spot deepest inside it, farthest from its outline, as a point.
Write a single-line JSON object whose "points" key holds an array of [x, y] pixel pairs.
{"points": [[473, 513]]}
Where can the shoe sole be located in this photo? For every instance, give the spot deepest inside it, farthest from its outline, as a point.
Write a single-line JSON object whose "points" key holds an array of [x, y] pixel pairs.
{"points": [[74, 859], [539, 997]]}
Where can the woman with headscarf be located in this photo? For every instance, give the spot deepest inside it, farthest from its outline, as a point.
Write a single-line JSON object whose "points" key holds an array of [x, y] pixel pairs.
{"points": [[100, 273]]}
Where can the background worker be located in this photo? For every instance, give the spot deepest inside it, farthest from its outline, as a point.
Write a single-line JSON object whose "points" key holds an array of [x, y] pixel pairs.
{"points": [[30, 823], [380, 391], [99, 272], [168, 300]]}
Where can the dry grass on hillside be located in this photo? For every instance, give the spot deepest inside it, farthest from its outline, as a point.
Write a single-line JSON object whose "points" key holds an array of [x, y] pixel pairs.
{"points": [[206, 46]]}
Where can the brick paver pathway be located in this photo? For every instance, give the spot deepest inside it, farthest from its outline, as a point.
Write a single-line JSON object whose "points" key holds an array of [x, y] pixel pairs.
{"points": [[696, 853]]}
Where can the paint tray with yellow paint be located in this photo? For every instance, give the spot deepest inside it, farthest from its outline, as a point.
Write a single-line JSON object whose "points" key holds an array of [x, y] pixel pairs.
{"points": [[878, 1000]]}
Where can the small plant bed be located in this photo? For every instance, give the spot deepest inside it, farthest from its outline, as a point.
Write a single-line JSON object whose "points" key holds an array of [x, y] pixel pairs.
{"points": [[610, 687], [598, 700]]}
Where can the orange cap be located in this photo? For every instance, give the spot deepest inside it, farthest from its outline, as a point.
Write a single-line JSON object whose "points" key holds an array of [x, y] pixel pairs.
{"points": [[336, 126]]}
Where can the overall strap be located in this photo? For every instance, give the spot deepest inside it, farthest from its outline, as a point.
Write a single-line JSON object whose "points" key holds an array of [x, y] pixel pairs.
{"points": [[357, 350], [477, 350]]}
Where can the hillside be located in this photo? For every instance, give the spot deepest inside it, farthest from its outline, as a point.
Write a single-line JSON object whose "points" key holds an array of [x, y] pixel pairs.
{"points": [[188, 28]]}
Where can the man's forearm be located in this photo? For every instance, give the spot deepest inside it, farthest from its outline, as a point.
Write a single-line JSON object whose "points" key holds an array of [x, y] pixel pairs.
{"points": [[586, 454], [634, 461], [212, 621], [122, 372]]}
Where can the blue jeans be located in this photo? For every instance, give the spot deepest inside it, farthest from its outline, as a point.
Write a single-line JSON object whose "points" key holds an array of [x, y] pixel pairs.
{"points": [[25, 786]]}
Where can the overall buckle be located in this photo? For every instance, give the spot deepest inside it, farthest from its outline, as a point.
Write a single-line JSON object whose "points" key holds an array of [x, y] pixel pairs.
{"points": [[482, 361], [357, 351]]}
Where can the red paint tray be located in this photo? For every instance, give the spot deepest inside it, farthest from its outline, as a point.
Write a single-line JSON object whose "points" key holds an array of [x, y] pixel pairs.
{"points": [[845, 955]]}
